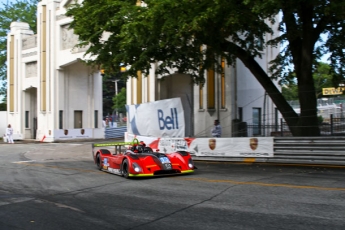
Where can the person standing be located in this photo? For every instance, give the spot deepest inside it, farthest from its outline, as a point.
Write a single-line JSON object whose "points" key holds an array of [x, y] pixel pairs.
{"points": [[9, 134], [216, 130], [107, 122]]}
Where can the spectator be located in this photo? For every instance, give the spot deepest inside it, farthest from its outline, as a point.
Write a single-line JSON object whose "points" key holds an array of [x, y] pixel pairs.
{"points": [[9, 134], [216, 130], [107, 122]]}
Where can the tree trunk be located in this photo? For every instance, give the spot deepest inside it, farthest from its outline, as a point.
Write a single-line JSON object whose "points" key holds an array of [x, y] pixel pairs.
{"points": [[302, 53], [299, 126], [308, 122]]}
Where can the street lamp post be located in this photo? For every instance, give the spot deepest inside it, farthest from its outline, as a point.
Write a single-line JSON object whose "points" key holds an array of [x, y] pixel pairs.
{"points": [[116, 92], [122, 69]]}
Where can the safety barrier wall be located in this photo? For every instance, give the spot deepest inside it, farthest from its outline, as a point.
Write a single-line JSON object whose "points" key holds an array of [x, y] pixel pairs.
{"points": [[315, 150], [115, 132], [324, 150], [299, 150]]}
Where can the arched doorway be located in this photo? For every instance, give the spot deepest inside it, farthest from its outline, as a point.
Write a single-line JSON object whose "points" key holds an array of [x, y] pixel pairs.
{"points": [[180, 85], [30, 113]]}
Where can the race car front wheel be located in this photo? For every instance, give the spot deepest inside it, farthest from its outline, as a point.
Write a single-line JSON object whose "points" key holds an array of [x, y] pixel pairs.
{"points": [[98, 162], [124, 168]]}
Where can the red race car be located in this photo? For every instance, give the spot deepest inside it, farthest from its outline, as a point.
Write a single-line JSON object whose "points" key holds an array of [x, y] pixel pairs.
{"points": [[138, 160]]}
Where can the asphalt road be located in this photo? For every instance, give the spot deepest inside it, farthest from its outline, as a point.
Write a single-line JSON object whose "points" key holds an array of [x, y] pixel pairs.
{"points": [[57, 186]]}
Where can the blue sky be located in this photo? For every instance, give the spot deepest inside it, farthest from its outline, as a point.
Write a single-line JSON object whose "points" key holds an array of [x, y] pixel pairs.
{"points": [[6, 1]]}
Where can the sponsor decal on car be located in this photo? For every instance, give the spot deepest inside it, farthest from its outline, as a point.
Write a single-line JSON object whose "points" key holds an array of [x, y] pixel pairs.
{"points": [[105, 163], [166, 162], [115, 171]]}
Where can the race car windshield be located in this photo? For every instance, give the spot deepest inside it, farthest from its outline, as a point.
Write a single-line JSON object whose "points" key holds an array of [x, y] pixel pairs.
{"points": [[148, 150]]}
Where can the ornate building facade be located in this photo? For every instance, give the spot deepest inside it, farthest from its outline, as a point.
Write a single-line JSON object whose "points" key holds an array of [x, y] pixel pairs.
{"points": [[52, 94]]}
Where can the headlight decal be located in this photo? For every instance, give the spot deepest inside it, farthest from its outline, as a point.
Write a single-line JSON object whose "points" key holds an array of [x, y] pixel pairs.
{"points": [[190, 163], [136, 167]]}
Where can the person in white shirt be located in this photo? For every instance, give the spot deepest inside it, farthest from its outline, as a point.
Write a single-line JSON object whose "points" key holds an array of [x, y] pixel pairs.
{"points": [[216, 130], [9, 134]]}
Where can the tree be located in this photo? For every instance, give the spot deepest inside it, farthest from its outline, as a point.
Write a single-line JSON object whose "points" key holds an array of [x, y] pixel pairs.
{"points": [[110, 83], [3, 106], [21, 10], [290, 92], [108, 94], [171, 33], [120, 101], [322, 79]]}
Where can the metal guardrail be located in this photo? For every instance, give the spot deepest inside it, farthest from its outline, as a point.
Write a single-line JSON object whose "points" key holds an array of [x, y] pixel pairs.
{"points": [[329, 150], [115, 132], [309, 150], [324, 150]]}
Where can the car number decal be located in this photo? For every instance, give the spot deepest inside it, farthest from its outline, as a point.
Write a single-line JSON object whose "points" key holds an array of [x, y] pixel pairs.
{"points": [[164, 160], [105, 162], [115, 171], [167, 166]]}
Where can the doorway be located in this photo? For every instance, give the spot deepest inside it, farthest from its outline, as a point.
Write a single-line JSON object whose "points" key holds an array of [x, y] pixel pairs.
{"points": [[78, 119]]}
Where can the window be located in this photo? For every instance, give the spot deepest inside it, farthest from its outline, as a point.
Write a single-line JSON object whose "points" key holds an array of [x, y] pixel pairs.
{"points": [[210, 89], [78, 119], [240, 113], [139, 87], [96, 118], [201, 96], [256, 121], [27, 119], [222, 85], [60, 119]]}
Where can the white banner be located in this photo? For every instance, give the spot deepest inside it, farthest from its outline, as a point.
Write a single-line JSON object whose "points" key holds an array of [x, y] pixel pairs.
{"points": [[71, 133], [157, 119], [218, 147], [234, 147]]}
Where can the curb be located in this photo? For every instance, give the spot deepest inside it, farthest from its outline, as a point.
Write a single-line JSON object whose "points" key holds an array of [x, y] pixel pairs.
{"points": [[30, 141]]}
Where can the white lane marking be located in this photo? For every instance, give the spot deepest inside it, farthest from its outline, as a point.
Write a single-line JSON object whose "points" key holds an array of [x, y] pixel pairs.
{"points": [[18, 162], [14, 200], [59, 205]]}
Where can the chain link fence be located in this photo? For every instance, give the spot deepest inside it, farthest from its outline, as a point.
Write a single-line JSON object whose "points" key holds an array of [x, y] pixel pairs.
{"points": [[333, 126]]}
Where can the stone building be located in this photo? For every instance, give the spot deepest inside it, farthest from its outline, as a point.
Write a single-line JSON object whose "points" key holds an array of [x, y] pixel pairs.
{"points": [[52, 94]]}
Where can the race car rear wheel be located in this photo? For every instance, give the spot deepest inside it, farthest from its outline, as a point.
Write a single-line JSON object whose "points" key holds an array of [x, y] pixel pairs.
{"points": [[125, 168], [98, 162]]}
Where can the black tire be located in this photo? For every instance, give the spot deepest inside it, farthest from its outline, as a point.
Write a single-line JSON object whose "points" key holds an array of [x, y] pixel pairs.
{"points": [[124, 168], [98, 162]]}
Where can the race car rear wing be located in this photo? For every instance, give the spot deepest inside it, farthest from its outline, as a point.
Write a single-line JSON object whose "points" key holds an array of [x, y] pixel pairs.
{"points": [[118, 145]]}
